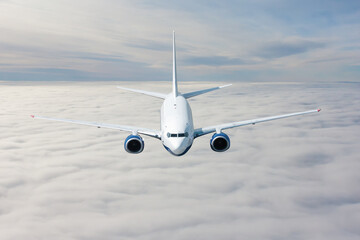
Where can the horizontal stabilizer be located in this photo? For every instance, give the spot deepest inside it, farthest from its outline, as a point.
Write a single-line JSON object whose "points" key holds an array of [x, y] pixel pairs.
{"points": [[153, 94], [196, 93]]}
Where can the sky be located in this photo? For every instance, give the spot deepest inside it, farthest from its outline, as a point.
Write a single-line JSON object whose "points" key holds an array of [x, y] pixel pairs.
{"points": [[235, 41], [295, 178], [287, 179]]}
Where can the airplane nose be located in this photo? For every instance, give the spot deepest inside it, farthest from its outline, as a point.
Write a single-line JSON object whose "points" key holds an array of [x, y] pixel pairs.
{"points": [[177, 145]]}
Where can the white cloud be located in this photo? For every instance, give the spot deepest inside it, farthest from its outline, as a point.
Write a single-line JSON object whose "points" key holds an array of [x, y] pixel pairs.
{"points": [[295, 178]]}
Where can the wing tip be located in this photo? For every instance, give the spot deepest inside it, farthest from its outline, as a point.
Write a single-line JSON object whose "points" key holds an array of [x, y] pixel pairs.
{"points": [[33, 116], [319, 109]]}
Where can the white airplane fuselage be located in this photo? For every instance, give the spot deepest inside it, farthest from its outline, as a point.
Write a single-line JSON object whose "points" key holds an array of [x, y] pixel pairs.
{"points": [[177, 128]]}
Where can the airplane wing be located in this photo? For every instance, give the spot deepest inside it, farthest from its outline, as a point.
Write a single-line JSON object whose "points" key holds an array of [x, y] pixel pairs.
{"points": [[217, 128], [134, 130], [196, 93], [153, 94]]}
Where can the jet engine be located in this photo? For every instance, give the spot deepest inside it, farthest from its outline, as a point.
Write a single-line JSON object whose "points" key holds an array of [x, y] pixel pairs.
{"points": [[220, 142], [134, 144]]}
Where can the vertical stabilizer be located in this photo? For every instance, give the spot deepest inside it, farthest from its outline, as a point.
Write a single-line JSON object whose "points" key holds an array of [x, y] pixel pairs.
{"points": [[175, 87]]}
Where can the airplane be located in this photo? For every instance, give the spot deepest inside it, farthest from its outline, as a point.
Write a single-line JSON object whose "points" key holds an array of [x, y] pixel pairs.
{"points": [[177, 131]]}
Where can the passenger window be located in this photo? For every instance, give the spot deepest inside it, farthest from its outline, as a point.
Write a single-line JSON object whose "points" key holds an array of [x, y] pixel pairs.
{"points": [[173, 135], [181, 134]]}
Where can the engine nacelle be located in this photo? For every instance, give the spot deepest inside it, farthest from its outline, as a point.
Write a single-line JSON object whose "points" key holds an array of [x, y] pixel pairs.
{"points": [[134, 144], [220, 142]]}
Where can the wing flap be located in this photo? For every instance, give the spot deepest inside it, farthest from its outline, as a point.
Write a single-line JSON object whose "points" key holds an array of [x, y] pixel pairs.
{"points": [[217, 128], [135, 130]]}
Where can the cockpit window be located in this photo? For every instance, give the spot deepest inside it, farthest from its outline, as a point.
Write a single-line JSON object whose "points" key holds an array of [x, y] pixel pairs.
{"points": [[177, 135]]}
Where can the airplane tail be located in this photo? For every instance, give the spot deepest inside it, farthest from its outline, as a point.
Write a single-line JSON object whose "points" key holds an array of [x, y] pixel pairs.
{"points": [[175, 87], [175, 91]]}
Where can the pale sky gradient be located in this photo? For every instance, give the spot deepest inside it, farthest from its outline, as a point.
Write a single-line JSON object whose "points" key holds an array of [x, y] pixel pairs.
{"points": [[217, 40]]}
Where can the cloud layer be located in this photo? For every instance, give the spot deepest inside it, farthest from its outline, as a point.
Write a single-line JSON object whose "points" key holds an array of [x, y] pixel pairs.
{"points": [[288, 179]]}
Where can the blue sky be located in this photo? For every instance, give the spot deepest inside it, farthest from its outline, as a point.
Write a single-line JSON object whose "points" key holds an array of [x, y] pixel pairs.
{"points": [[217, 40]]}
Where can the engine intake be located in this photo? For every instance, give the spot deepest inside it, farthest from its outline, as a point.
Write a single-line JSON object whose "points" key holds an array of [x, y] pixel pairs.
{"points": [[134, 144], [220, 142]]}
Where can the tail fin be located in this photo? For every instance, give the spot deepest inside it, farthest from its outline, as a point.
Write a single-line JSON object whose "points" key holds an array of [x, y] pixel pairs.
{"points": [[175, 87]]}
